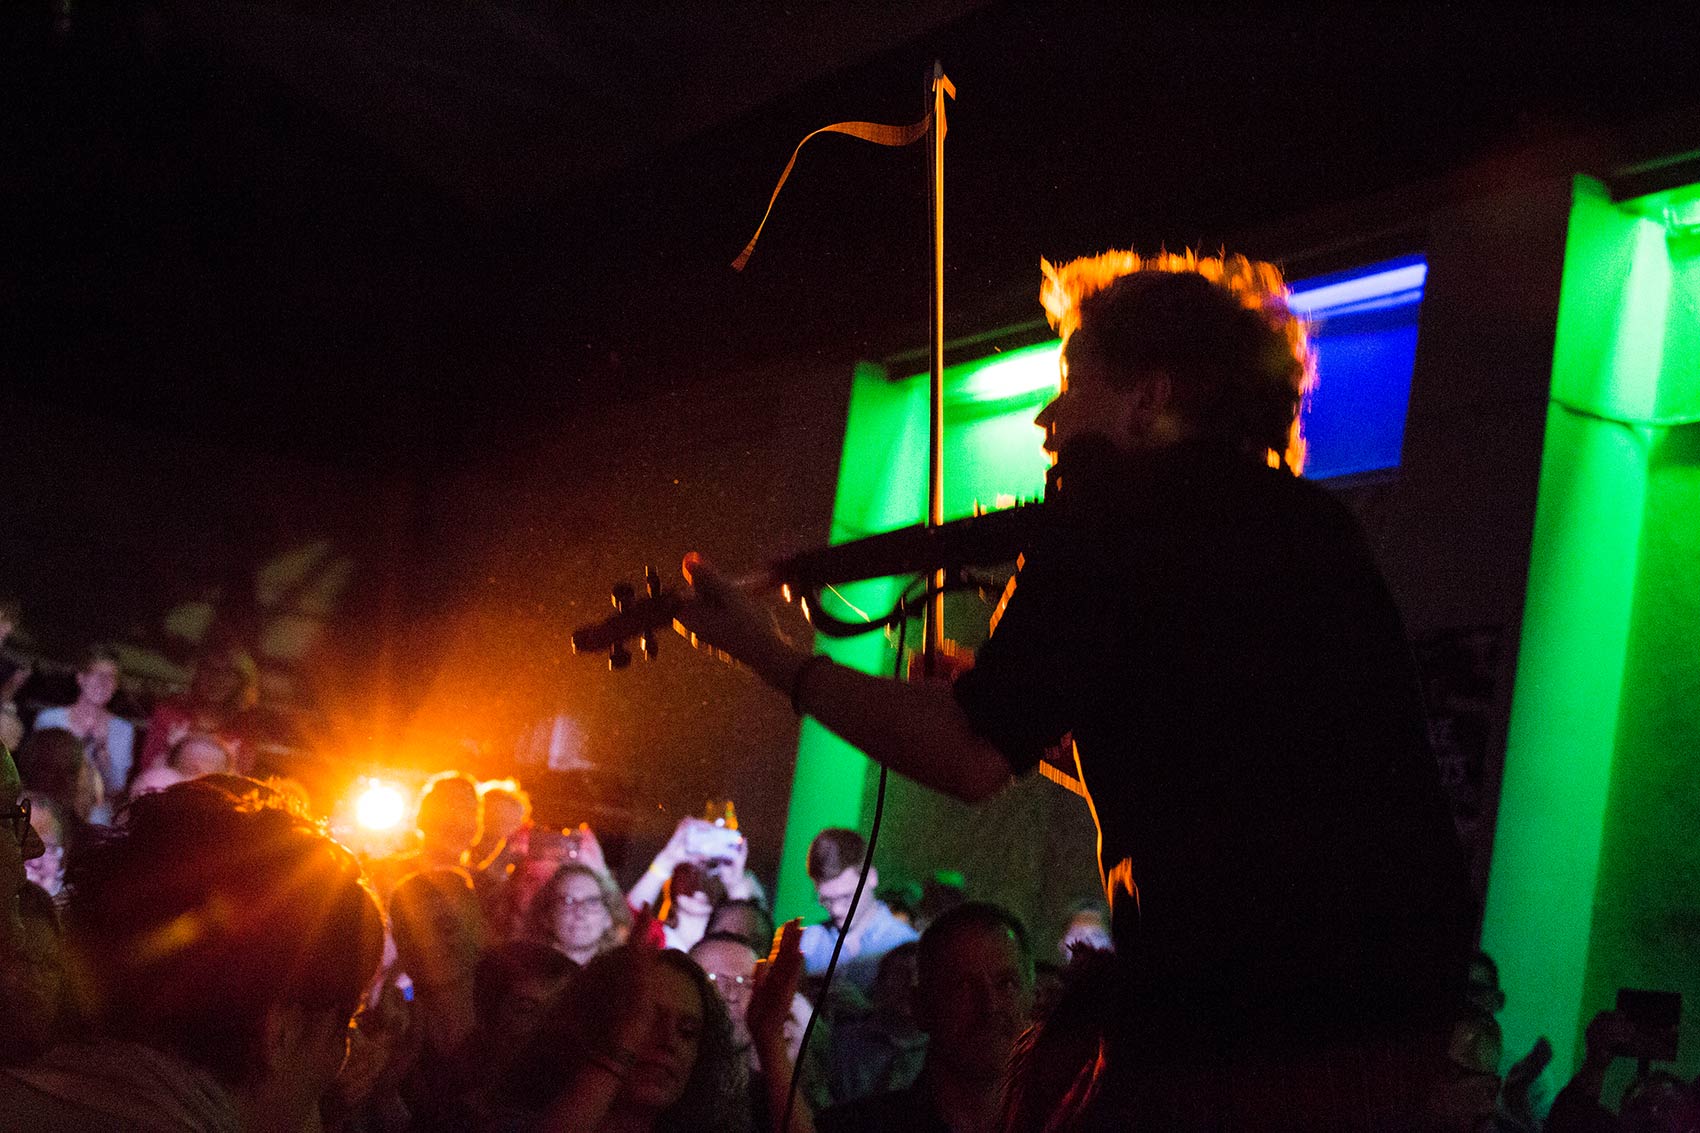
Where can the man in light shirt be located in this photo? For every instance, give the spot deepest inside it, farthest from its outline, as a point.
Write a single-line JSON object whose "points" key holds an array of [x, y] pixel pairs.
{"points": [[835, 863]]}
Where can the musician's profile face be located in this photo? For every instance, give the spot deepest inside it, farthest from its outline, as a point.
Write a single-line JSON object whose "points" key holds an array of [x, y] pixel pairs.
{"points": [[1086, 403], [1092, 402]]}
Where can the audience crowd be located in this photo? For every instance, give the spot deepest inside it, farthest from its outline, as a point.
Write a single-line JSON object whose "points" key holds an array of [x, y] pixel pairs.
{"points": [[186, 948]]}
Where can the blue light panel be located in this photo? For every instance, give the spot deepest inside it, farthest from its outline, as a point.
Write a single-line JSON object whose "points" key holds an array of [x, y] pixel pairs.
{"points": [[1364, 332]]}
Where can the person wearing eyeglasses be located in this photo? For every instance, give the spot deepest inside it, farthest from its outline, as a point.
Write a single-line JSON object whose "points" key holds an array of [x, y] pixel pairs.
{"points": [[580, 912], [730, 963], [759, 1014], [835, 864]]}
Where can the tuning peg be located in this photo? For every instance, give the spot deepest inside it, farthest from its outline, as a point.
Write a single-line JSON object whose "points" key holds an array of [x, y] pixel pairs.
{"points": [[623, 595], [647, 643], [652, 581], [619, 657]]}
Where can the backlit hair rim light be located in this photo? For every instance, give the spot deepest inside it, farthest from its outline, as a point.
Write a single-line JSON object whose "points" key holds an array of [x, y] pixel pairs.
{"points": [[1258, 286]]}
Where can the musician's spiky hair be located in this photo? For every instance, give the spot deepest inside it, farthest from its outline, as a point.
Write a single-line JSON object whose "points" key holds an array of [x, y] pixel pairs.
{"points": [[1219, 326]]}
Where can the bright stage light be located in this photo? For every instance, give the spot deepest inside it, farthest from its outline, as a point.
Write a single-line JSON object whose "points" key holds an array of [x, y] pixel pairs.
{"points": [[379, 807]]}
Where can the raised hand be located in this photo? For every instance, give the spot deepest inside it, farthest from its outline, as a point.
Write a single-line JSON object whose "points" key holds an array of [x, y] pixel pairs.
{"points": [[775, 984], [731, 871], [589, 849], [766, 1018]]}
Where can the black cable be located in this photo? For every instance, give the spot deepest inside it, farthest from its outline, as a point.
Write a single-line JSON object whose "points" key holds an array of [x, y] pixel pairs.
{"points": [[901, 614], [834, 626]]}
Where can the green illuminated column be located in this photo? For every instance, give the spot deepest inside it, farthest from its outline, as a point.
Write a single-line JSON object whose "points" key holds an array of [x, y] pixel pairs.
{"points": [[1595, 881], [882, 471], [991, 450]]}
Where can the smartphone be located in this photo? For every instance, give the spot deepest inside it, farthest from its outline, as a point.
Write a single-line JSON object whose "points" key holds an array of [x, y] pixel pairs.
{"points": [[711, 843], [1655, 1016]]}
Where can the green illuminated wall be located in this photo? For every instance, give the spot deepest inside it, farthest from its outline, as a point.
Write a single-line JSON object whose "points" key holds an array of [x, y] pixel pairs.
{"points": [[991, 451], [1595, 880]]}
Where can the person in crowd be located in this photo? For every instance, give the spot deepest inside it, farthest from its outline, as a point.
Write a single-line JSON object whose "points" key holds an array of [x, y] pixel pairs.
{"points": [[514, 986], [743, 917], [774, 1028], [1656, 1101], [835, 863], [1214, 634], [640, 1043], [13, 676], [221, 949], [641, 1040], [940, 893], [200, 753], [973, 998], [52, 764], [507, 820], [19, 845], [47, 870], [686, 903], [509, 903], [1522, 1099], [730, 964], [903, 898], [721, 853], [1086, 934], [580, 913], [1465, 1097], [223, 690], [447, 825], [812, 1075], [439, 936], [32, 982], [153, 779], [449, 820], [108, 741], [366, 1097], [880, 1051]]}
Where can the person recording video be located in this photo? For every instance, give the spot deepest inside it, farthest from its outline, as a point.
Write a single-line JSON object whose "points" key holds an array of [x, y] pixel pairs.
{"points": [[703, 864]]}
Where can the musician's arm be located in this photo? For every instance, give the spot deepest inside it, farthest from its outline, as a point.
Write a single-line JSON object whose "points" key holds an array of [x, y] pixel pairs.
{"points": [[917, 730]]}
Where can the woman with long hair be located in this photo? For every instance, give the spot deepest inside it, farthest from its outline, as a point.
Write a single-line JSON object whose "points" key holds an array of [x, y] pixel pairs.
{"points": [[579, 912], [638, 1042]]}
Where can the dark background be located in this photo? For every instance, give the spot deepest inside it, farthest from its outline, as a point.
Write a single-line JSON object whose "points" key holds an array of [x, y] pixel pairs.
{"points": [[435, 299]]}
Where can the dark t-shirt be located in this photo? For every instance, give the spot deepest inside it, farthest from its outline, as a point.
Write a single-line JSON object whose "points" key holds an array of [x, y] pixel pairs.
{"points": [[1216, 637]]}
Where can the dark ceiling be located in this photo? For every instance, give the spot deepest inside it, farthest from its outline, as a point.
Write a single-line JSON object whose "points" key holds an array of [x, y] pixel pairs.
{"points": [[394, 230]]}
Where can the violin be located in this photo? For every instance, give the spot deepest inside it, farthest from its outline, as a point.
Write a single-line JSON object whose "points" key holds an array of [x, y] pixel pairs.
{"points": [[981, 540]]}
